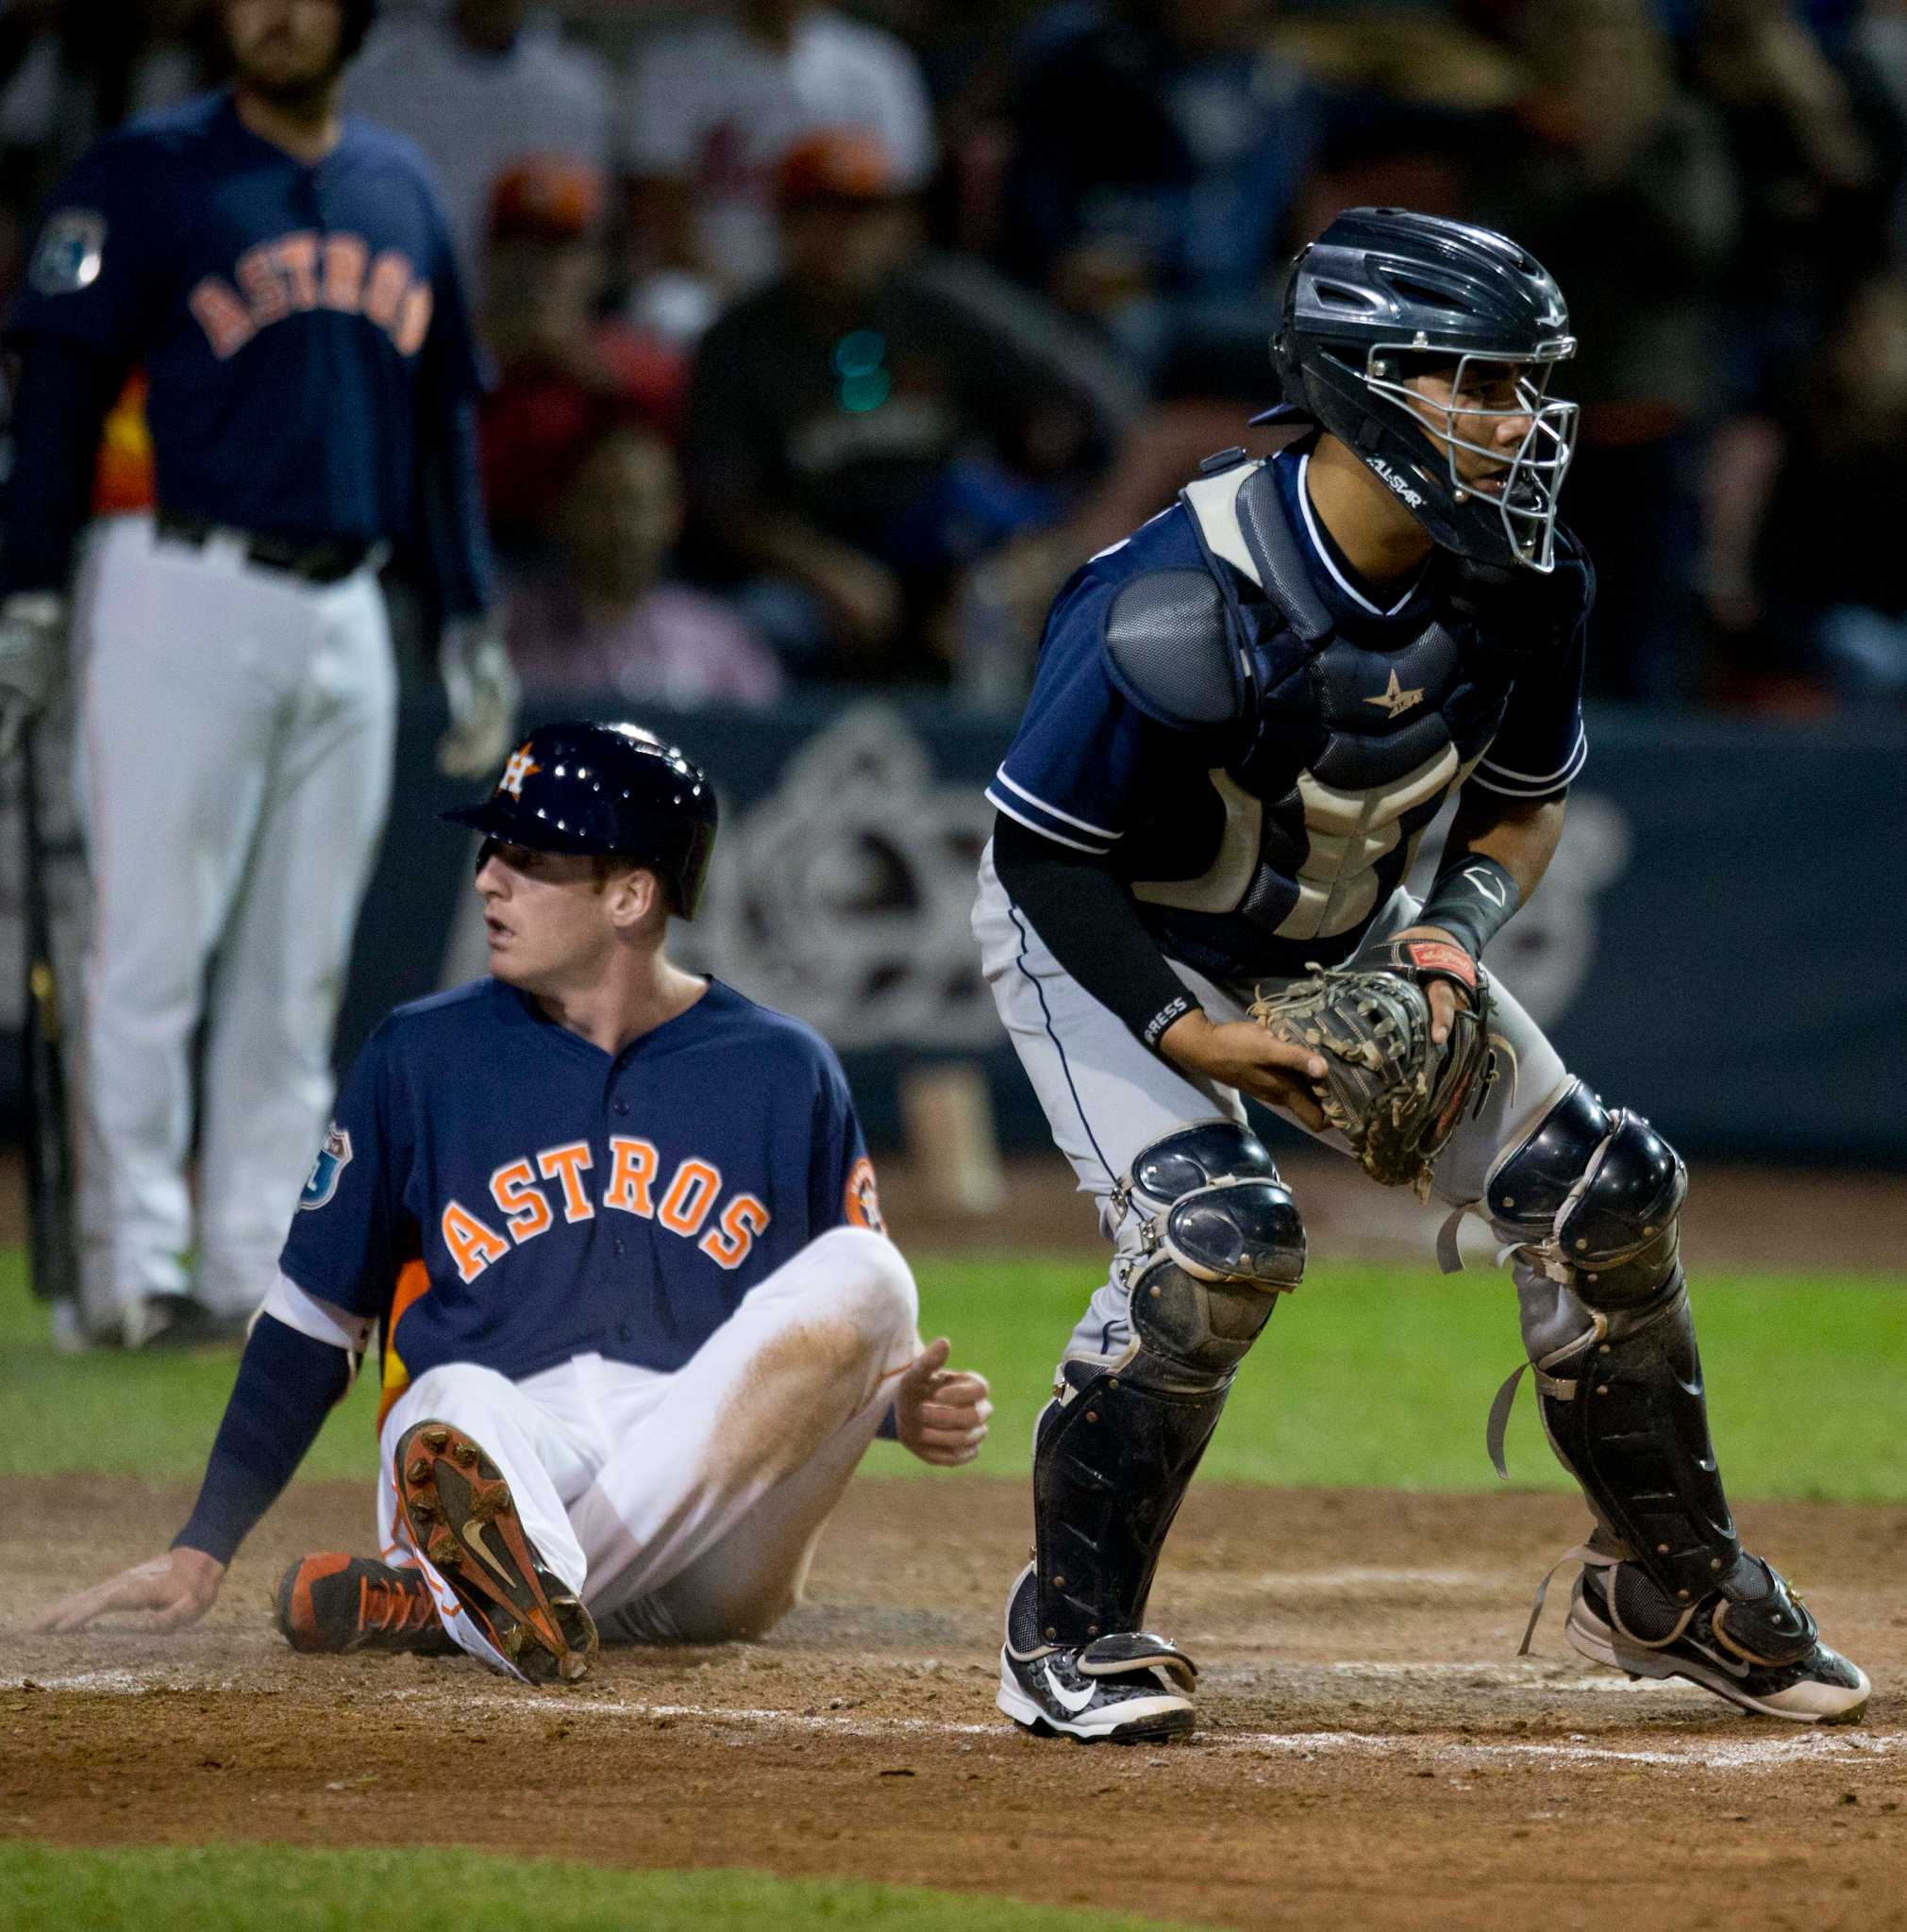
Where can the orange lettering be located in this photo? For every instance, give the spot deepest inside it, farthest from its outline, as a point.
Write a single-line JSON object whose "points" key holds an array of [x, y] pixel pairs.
{"points": [[384, 292], [729, 1243], [632, 1167], [344, 257], [567, 1163], [691, 1194], [472, 1246], [298, 257], [218, 311], [414, 324], [514, 1189], [258, 275]]}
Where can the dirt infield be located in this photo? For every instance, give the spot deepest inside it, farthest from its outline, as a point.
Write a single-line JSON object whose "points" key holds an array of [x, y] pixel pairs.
{"points": [[1373, 1753]]}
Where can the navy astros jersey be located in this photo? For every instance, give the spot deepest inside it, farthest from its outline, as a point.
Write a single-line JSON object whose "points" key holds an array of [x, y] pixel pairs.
{"points": [[292, 319], [496, 1189], [1263, 817]]}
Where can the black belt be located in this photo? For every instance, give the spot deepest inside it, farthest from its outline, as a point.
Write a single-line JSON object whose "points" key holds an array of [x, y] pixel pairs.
{"points": [[316, 559]]}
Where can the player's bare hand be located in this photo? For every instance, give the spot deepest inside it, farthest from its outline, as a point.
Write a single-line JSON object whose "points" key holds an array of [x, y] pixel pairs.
{"points": [[941, 1413], [1242, 1055], [172, 1592], [1443, 996]]}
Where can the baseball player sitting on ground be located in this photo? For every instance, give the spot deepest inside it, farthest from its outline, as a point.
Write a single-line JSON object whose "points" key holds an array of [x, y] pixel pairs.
{"points": [[284, 279], [1244, 717], [618, 1228]]}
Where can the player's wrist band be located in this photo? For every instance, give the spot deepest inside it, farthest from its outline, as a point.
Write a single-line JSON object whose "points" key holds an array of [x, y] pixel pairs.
{"points": [[1472, 900]]}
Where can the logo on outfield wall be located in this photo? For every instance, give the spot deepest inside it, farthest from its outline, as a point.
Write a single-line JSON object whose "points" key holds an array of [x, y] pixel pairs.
{"points": [[1545, 953], [843, 895]]}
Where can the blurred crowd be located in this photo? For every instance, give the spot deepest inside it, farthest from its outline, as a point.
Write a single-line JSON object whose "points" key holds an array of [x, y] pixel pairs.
{"points": [[828, 340]]}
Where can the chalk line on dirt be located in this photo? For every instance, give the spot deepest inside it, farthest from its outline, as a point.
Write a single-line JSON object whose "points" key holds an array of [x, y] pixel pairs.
{"points": [[1840, 1746]]}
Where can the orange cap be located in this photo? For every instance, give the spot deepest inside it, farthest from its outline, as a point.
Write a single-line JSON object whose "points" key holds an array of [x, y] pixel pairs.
{"points": [[838, 164], [556, 195]]}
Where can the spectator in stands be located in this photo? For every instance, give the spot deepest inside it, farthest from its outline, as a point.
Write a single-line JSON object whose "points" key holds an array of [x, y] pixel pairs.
{"points": [[1819, 150], [477, 89], [1807, 572], [1619, 182], [1158, 149], [860, 431], [564, 370], [612, 623], [713, 109]]}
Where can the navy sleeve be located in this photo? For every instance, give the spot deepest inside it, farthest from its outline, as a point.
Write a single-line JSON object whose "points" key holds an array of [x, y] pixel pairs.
{"points": [[61, 396], [841, 1190], [287, 1385], [348, 1235], [90, 280], [77, 325], [1071, 771], [450, 501], [1542, 745]]}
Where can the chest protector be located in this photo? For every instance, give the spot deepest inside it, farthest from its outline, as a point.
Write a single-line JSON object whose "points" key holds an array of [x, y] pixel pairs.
{"points": [[1331, 756]]}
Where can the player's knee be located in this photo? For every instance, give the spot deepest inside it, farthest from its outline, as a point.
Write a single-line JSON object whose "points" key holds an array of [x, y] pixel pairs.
{"points": [[871, 1284], [1592, 1197], [1219, 1237], [460, 1393]]}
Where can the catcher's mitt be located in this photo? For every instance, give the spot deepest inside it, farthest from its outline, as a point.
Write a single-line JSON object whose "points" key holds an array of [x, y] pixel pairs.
{"points": [[1395, 1096]]}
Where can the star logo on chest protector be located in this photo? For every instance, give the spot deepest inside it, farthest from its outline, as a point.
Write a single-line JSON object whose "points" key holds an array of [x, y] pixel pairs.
{"points": [[1395, 700]]}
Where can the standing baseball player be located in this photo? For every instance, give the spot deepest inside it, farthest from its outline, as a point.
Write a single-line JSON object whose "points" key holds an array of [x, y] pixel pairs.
{"points": [[619, 1231], [284, 279], [1245, 716]]}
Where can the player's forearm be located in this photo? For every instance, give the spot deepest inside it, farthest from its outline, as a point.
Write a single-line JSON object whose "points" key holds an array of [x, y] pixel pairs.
{"points": [[60, 400], [1497, 853], [288, 1383], [1089, 923]]}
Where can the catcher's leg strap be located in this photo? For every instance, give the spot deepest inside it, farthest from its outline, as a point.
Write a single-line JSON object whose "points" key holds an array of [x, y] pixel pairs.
{"points": [[1219, 1237]]}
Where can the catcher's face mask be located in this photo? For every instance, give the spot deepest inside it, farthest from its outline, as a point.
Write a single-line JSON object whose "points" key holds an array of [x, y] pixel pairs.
{"points": [[1501, 438]]}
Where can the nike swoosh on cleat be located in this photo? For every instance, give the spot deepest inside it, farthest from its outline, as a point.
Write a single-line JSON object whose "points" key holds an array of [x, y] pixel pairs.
{"points": [[474, 1536], [1075, 1701]]}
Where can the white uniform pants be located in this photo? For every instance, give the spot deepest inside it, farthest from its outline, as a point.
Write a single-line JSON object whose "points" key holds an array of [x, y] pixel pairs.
{"points": [[1107, 1098], [686, 1507], [234, 768]]}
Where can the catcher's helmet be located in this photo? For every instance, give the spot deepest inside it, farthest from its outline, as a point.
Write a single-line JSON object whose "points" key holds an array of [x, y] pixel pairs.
{"points": [[1383, 294], [612, 788]]}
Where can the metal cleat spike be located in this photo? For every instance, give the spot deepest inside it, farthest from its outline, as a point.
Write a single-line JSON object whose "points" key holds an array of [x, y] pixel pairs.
{"points": [[436, 1437]]}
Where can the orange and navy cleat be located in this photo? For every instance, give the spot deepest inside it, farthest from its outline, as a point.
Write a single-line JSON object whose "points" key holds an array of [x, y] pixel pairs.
{"points": [[459, 1510], [335, 1603]]}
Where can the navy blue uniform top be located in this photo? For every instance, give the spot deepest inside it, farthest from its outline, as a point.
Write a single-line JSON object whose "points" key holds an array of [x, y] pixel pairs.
{"points": [[1093, 770], [496, 1189], [301, 326]]}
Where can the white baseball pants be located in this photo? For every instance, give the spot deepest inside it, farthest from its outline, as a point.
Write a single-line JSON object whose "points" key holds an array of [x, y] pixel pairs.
{"points": [[685, 1507], [1107, 1098], [234, 766]]}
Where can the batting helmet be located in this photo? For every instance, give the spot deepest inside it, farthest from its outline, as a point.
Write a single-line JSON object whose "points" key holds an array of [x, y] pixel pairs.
{"points": [[611, 788], [1384, 294]]}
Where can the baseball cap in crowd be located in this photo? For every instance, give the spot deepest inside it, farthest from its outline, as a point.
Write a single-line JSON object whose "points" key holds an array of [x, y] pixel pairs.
{"points": [[553, 198], [838, 164]]}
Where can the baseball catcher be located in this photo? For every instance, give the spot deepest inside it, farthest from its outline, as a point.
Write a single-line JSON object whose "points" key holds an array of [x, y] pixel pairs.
{"points": [[1245, 718]]}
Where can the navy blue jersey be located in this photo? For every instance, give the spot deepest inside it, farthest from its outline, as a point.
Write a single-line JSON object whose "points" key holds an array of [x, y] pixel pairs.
{"points": [[298, 323], [496, 1189], [1247, 852]]}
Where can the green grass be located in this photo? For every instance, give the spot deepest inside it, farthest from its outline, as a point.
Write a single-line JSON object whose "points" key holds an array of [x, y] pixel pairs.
{"points": [[238, 1888], [1367, 1376]]}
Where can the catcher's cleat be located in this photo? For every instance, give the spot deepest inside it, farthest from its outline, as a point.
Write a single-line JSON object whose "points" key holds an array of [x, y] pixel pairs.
{"points": [[335, 1603], [458, 1509], [1130, 1688], [1816, 1687]]}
